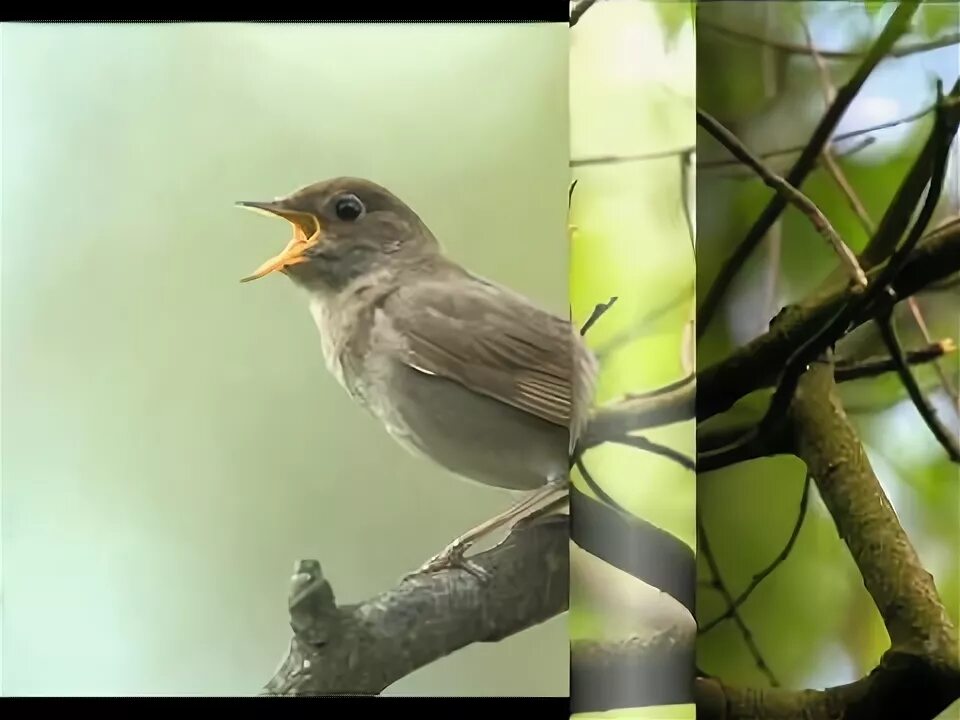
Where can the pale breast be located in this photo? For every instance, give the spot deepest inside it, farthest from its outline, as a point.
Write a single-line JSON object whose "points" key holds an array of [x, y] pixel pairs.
{"points": [[332, 337]]}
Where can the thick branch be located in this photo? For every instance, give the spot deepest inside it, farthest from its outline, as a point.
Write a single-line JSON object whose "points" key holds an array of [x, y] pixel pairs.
{"points": [[902, 590], [903, 687], [632, 672], [756, 364], [364, 648], [637, 413]]}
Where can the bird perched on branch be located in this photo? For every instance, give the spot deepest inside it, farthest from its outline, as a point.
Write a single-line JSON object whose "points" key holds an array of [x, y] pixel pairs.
{"points": [[458, 369]]}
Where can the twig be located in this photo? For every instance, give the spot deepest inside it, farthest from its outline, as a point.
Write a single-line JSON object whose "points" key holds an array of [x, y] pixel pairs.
{"points": [[637, 157], [788, 191], [768, 570], [595, 486], [847, 370], [685, 197], [631, 415], [898, 24], [597, 313], [641, 443], [751, 366], [704, 547], [943, 435], [738, 172], [579, 9], [945, 381], [794, 49], [719, 164], [860, 210], [640, 325]]}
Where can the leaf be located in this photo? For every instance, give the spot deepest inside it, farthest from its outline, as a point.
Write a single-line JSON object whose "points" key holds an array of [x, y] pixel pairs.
{"points": [[874, 6], [673, 16], [934, 19]]}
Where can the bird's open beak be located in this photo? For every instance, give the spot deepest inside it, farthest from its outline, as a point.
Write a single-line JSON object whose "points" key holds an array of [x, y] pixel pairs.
{"points": [[295, 251]]}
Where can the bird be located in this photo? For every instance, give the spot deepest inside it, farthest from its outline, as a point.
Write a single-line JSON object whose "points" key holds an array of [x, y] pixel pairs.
{"points": [[460, 370]]}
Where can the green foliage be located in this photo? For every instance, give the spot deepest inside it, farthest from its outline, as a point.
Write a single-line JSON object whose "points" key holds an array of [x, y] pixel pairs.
{"points": [[673, 17], [936, 18], [812, 619], [873, 7]]}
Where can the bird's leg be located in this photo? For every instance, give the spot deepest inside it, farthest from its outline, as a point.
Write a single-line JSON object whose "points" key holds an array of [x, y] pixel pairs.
{"points": [[453, 555]]}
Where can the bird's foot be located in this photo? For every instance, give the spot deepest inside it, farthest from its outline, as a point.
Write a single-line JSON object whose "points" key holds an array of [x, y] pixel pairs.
{"points": [[451, 558]]}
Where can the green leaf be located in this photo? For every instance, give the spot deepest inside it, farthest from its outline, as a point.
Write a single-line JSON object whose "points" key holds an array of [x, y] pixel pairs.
{"points": [[934, 19], [673, 16], [874, 6]]}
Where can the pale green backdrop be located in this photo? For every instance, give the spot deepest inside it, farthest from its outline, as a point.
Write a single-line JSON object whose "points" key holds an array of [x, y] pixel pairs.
{"points": [[171, 441]]}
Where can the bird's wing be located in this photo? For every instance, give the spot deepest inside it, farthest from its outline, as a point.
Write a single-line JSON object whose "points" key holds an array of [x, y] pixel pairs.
{"points": [[495, 343]]}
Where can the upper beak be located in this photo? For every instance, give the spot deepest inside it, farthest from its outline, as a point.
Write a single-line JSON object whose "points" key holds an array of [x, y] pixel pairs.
{"points": [[295, 251]]}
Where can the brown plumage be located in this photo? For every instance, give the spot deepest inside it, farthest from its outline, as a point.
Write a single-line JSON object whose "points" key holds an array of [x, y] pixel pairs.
{"points": [[457, 368]]}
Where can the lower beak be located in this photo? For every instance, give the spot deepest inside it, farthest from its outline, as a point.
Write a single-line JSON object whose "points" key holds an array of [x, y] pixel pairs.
{"points": [[295, 251]]}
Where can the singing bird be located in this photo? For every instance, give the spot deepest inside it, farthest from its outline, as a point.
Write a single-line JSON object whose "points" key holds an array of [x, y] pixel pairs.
{"points": [[457, 368]]}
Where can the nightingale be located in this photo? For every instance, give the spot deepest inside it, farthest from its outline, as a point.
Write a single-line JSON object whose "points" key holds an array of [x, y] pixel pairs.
{"points": [[458, 369]]}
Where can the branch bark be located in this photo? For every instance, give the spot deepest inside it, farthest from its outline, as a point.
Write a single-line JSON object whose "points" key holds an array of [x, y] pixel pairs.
{"points": [[920, 675], [902, 590], [756, 364], [364, 648]]}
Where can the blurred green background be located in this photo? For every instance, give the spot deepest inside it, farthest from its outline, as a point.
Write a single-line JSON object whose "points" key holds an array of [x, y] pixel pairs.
{"points": [[172, 442], [632, 85], [812, 620]]}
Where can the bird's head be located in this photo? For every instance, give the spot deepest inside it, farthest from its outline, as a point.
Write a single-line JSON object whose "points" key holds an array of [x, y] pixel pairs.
{"points": [[343, 228]]}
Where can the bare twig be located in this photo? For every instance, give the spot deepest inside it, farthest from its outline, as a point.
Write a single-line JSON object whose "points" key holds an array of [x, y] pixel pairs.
{"points": [[847, 370], [597, 313], [579, 9], [898, 24], [829, 91], [788, 191], [750, 367], [768, 570], [632, 158], [795, 49], [766, 155], [685, 192], [631, 415], [943, 435], [594, 485], [704, 547], [641, 443]]}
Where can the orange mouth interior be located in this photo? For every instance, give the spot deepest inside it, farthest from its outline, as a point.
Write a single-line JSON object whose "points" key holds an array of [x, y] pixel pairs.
{"points": [[293, 254]]}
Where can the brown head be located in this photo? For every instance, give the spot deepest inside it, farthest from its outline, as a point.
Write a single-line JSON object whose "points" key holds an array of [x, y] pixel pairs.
{"points": [[343, 228]]}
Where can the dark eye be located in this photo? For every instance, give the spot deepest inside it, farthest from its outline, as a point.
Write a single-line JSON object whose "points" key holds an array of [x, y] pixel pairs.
{"points": [[349, 208]]}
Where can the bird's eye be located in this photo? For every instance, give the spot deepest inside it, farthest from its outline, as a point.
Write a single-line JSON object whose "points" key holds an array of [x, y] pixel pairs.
{"points": [[349, 208]]}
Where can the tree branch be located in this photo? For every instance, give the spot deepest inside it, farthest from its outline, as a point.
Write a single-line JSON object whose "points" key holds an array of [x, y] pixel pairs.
{"points": [[847, 370], [899, 359], [637, 413], [902, 590], [364, 648], [731, 611], [795, 49], [898, 24], [788, 191], [633, 672], [756, 364], [721, 586]]}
